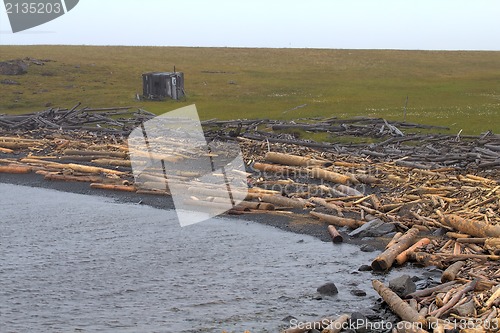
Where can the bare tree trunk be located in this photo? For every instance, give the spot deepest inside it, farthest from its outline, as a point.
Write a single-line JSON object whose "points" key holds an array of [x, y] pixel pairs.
{"points": [[451, 272], [400, 307], [384, 260]]}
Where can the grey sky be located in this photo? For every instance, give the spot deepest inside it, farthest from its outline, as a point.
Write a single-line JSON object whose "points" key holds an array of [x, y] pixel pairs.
{"points": [[366, 24]]}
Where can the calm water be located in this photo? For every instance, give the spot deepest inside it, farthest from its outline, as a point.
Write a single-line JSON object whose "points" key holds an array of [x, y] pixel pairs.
{"points": [[74, 263]]}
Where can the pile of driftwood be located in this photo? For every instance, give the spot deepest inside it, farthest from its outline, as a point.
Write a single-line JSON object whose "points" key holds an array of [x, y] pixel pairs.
{"points": [[464, 207], [117, 120], [68, 157], [423, 151], [341, 189], [394, 141], [356, 127]]}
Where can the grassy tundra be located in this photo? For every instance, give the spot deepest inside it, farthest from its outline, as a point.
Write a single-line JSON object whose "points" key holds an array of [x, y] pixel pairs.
{"points": [[460, 90]]}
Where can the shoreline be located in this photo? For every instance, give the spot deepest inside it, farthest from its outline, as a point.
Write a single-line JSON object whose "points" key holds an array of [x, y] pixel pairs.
{"points": [[287, 223], [424, 204], [283, 222]]}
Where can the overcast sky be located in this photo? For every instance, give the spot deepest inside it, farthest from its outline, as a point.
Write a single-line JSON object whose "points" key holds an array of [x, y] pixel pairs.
{"points": [[360, 24]]}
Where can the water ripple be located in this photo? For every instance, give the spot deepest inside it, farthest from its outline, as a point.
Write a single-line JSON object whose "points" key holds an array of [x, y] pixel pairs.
{"points": [[78, 263]]}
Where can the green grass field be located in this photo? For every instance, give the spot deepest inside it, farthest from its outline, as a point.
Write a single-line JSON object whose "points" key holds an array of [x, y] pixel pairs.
{"points": [[456, 89]]}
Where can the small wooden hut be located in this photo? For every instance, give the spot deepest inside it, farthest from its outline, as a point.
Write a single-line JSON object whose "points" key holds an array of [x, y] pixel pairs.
{"points": [[163, 85]]}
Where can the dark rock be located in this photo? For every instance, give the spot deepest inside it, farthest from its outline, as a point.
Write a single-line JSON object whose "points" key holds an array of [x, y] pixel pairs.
{"points": [[391, 234], [288, 319], [354, 272], [423, 284], [367, 248], [369, 217], [432, 272], [366, 228], [427, 283], [466, 310], [358, 292], [374, 228], [13, 67], [439, 232], [381, 312], [385, 229], [402, 285], [359, 322], [365, 268], [314, 331], [328, 289]]}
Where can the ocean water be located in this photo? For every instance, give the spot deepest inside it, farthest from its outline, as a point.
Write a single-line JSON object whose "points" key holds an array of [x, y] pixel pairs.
{"points": [[76, 263]]}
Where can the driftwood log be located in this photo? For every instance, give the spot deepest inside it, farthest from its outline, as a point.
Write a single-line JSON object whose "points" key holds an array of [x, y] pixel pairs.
{"points": [[451, 272], [287, 159], [112, 187], [454, 300], [336, 237], [400, 307], [338, 221], [337, 325], [385, 259], [403, 256], [474, 228], [14, 169], [330, 176], [430, 291]]}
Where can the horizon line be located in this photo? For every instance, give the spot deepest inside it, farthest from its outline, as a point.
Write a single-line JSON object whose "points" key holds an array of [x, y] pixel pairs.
{"points": [[266, 47]]}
